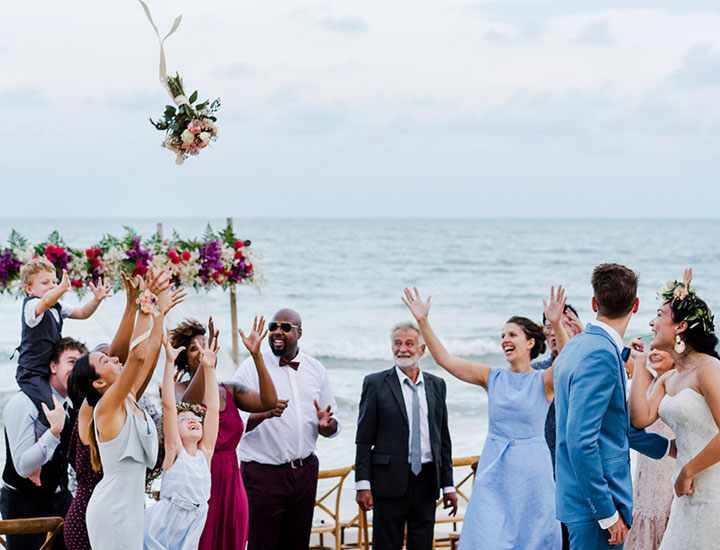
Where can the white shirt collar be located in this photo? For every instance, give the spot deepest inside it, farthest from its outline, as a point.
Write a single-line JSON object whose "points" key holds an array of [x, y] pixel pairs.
{"points": [[62, 399], [402, 376], [614, 334]]}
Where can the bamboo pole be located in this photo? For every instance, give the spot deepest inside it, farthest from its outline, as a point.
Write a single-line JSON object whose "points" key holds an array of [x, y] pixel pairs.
{"points": [[160, 230], [233, 315]]}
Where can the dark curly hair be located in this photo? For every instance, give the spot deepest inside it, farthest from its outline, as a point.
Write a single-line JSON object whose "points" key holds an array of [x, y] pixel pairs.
{"points": [[531, 330], [182, 335], [696, 337]]}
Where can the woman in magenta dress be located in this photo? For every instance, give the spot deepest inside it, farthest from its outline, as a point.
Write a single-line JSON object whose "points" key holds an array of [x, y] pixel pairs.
{"points": [[226, 527]]}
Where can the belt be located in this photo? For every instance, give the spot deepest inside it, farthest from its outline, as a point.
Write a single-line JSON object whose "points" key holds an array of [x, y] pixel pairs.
{"points": [[299, 462]]}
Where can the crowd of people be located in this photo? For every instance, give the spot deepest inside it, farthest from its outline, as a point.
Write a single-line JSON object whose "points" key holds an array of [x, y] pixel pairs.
{"points": [[554, 472]]}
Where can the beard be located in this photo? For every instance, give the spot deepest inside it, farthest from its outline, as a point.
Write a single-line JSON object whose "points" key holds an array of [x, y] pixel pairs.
{"points": [[407, 362]]}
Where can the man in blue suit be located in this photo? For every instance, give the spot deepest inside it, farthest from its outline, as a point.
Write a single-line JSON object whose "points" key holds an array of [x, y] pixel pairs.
{"points": [[593, 479]]}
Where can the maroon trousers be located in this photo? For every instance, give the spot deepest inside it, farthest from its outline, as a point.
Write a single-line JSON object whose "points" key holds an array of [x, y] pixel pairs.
{"points": [[281, 502]]}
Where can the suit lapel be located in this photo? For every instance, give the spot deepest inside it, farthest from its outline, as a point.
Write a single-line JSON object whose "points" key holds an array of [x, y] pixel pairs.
{"points": [[392, 381], [431, 398], [620, 370]]}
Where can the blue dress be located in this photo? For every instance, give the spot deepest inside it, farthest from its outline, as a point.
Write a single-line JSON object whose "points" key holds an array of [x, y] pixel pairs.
{"points": [[178, 519], [512, 505]]}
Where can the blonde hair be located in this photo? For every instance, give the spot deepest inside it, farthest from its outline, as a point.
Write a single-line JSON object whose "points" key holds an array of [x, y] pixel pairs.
{"points": [[33, 267]]}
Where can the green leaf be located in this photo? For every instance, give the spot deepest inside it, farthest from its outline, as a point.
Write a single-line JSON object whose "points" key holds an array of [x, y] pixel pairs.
{"points": [[193, 97]]}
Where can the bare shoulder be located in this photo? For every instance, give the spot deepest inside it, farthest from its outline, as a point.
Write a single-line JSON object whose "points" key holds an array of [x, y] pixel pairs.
{"points": [[708, 374]]}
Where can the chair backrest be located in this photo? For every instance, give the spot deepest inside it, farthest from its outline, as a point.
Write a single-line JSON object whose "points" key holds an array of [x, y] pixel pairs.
{"points": [[30, 526], [325, 503]]}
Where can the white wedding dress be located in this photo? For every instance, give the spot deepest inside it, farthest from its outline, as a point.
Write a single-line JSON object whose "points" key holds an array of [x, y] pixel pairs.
{"points": [[695, 518]]}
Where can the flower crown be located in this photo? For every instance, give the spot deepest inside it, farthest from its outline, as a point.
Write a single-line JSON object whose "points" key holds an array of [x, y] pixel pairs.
{"points": [[197, 410], [686, 301]]}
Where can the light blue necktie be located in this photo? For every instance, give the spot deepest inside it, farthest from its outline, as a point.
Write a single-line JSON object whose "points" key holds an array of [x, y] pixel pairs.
{"points": [[415, 452]]}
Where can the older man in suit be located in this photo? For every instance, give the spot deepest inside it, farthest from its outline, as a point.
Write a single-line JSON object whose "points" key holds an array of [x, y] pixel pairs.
{"points": [[404, 454]]}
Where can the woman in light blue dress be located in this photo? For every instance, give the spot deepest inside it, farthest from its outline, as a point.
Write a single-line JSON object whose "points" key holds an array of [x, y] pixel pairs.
{"points": [[178, 519], [512, 505]]}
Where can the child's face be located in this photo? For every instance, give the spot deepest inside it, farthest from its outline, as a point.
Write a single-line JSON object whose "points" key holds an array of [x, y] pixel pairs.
{"points": [[190, 427], [41, 283]]}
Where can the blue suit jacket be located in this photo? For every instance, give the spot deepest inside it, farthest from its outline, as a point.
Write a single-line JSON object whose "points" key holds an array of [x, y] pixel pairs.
{"points": [[594, 435]]}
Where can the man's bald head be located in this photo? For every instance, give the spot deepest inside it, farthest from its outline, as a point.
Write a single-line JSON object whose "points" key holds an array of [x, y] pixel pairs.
{"points": [[285, 331]]}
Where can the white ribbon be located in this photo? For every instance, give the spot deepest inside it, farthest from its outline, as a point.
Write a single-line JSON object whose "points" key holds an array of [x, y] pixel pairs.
{"points": [[181, 99]]}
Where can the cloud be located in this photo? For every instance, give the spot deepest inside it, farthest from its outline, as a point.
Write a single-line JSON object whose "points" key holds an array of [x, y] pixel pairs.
{"points": [[314, 118], [344, 24], [655, 114], [23, 97], [140, 100], [287, 95], [239, 70], [701, 68], [597, 32]]}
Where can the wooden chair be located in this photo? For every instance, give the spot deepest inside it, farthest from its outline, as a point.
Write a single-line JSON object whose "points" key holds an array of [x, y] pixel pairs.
{"points": [[31, 526], [326, 507], [464, 488]]}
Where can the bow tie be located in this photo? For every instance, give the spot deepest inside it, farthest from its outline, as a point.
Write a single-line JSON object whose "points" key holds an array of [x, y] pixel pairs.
{"points": [[293, 364], [625, 354]]}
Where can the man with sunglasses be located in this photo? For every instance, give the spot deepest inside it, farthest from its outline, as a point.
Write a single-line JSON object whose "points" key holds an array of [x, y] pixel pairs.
{"points": [[279, 467]]}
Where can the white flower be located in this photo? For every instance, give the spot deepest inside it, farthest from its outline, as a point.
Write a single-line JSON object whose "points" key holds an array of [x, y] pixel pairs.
{"points": [[204, 136], [187, 136]]}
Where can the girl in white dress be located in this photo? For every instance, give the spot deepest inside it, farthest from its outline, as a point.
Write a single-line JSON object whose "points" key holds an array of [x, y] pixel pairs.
{"points": [[688, 400]]}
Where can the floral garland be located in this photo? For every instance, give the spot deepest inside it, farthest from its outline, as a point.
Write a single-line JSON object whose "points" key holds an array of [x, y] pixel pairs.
{"points": [[681, 298], [218, 259]]}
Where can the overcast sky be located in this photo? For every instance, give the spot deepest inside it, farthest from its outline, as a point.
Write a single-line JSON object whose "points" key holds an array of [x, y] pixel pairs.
{"points": [[434, 108]]}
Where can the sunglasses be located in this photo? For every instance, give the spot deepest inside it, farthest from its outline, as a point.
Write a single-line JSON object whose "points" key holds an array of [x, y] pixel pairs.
{"points": [[286, 327]]}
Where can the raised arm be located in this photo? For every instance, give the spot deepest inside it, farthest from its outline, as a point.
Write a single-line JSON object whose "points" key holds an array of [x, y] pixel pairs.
{"points": [[100, 292], [208, 360], [196, 387], [643, 407], [554, 310], [171, 431], [120, 345], [111, 402], [51, 297], [473, 373], [266, 398]]}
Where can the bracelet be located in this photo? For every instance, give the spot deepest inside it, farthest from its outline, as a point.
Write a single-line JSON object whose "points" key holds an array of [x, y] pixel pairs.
{"points": [[147, 302]]}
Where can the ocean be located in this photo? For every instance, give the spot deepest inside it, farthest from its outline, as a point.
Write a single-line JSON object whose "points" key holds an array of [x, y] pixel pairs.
{"points": [[345, 278]]}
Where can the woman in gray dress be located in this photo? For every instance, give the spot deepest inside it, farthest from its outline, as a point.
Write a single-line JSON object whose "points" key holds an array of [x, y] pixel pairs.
{"points": [[125, 438]]}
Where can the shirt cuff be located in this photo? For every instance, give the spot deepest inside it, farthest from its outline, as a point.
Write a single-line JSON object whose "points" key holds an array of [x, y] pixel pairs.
{"points": [[447, 490], [609, 522], [362, 485]]}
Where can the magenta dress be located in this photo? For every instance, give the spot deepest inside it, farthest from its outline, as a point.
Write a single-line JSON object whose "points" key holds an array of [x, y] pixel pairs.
{"points": [[75, 529], [226, 527]]}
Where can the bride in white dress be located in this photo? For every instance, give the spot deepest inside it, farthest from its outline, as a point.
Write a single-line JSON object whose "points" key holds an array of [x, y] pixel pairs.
{"points": [[688, 400]]}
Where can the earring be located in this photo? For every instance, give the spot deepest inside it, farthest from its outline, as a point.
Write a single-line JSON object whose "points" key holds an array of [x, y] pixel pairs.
{"points": [[679, 344]]}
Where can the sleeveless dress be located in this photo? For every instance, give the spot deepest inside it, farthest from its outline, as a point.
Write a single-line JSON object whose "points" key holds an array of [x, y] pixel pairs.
{"points": [[115, 511], [177, 520], [512, 505], [226, 527], [694, 518], [75, 529]]}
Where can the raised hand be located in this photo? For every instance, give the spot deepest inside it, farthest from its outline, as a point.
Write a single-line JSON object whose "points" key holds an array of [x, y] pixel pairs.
{"points": [[212, 332], [171, 353], [555, 308], [102, 290], [56, 416], [687, 277], [574, 322], [64, 281], [208, 353], [253, 340], [415, 304], [168, 300], [156, 281], [324, 415], [132, 285]]}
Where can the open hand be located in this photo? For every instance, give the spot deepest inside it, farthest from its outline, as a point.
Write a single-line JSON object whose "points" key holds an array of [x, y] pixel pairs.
{"points": [[253, 340], [132, 286], [555, 308], [415, 304], [208, 353], [156, 281], [168, 300], [56, 416], [324, 415], [687, 277], [102, 290], [171, 353], [65, 281]]}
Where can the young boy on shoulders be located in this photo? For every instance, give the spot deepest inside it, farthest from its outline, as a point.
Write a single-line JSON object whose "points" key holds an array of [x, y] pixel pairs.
{"points": [[42, 319]]}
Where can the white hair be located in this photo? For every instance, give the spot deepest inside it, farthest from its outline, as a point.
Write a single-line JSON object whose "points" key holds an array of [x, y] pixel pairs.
{"points": [[407, 325]]}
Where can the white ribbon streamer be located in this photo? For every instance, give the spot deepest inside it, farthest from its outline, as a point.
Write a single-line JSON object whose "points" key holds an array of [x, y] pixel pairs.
{"points": [[181, 99]]}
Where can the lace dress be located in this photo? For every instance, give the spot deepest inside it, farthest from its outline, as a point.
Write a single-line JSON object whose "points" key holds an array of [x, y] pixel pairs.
{"points": [[694, 518], [652, 497]]}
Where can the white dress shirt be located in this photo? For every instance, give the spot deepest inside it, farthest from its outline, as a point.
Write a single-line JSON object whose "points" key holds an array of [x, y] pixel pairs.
{"points": [[32, 320], [617, 339], [293, 435], [20, 417], [425, 448]]}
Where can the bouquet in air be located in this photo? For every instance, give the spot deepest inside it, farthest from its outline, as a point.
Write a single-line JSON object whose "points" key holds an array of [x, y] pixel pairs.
{"points": [[188, 128]]}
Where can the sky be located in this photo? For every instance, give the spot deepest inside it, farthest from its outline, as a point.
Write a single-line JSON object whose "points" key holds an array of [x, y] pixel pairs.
{"points": [[439, 108]]}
